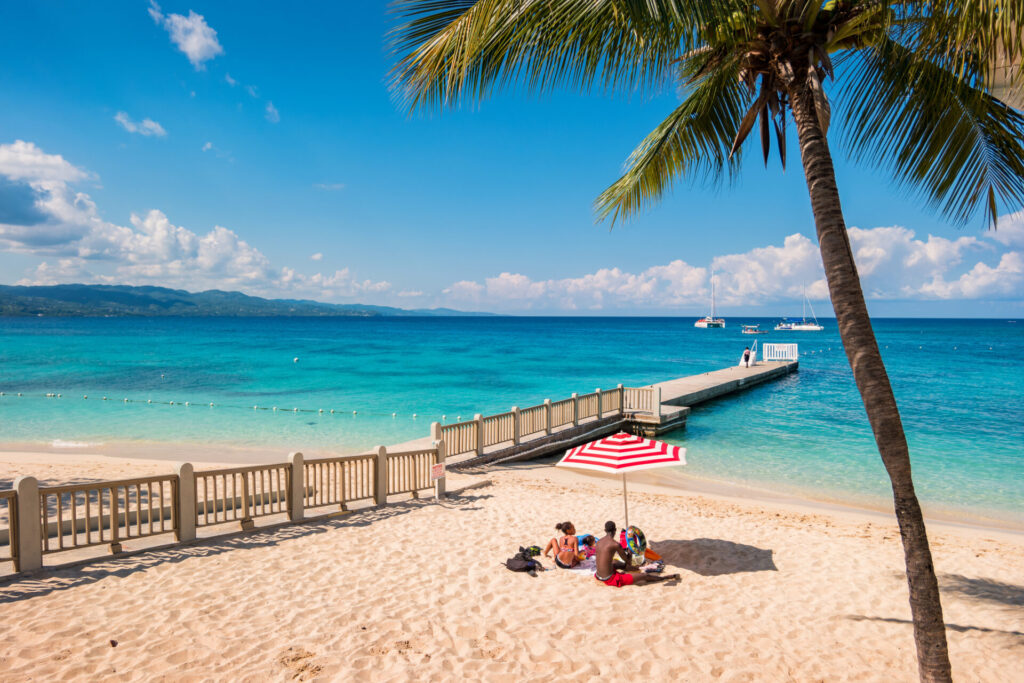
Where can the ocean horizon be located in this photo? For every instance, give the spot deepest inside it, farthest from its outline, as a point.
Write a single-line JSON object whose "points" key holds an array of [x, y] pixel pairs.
{"points": [[387, 379]]}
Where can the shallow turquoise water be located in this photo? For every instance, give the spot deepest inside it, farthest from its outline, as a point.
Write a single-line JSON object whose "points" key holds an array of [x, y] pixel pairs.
{"points": [[959, 392]]}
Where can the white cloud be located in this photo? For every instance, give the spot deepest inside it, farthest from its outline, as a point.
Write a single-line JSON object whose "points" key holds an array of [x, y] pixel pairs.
{"points": [[145, 127], [329, 187], [272, 114], [207, 147], [316, 257], [191, 34], [252, 90], [410, 293], [1009, 231], [230, 81], [64, 227], [893, 264], [22, 160]]}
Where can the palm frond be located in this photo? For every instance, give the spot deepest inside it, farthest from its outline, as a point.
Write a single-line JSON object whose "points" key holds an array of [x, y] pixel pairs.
{"points": [[450, 51], [953, 143], [695, 140]]}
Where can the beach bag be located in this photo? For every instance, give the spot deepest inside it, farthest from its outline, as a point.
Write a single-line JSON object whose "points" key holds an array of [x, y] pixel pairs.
{"points": [[522, 561]]}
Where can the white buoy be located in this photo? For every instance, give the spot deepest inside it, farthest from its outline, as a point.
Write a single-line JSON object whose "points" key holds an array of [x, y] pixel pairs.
{"points": [[19, 393], [187, 403], [295, 410], [255, 407], [104, 398], [414, 416], [332, 411], [85, 397], [211, 405], [149, 400], [161, 376], [393, 414], [295, 360], [126, 400], [171, 403], [275, 408], [321, 411], [58, 395], [353, 412], [443, 418]]}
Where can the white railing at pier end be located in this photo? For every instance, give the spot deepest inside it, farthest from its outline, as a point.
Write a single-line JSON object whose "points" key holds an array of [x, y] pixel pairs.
{"points": [[780, 352]]}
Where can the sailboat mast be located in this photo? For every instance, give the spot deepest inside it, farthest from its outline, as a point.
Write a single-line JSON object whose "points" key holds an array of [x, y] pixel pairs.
{"points": [[712, 295], [805, 304]]}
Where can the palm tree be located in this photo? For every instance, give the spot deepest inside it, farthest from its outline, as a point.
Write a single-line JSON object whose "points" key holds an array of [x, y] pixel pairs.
{"points": [[914, 99]]}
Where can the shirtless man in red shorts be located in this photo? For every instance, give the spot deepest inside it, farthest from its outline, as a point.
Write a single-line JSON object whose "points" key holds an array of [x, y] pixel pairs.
{"points": [[610, 572]]}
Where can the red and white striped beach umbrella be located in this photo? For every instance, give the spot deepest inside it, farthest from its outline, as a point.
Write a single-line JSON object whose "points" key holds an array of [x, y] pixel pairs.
{"points": [[623, 453]]}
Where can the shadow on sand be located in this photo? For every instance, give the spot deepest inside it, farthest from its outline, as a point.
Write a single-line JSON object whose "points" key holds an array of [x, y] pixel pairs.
{"points": [[950, 627], [54, 579], [988, 590], [715, 557]]}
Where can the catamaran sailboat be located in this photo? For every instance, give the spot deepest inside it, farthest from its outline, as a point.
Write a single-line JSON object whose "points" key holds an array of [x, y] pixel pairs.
{"points": [[711, 320], [804, 325]]}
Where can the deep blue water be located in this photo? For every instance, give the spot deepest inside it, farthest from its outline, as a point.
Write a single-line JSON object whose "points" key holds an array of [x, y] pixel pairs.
{"points": [[957, 382]]}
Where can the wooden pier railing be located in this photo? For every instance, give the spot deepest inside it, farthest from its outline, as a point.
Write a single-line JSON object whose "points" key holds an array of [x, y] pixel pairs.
{"points": [[472, 436]]}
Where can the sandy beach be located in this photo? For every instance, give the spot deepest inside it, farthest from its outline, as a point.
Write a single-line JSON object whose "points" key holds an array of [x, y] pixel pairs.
{"points": [[417, 590]]}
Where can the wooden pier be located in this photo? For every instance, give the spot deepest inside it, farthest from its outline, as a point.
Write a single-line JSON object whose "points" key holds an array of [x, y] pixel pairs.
{"points": [[651, 410]]}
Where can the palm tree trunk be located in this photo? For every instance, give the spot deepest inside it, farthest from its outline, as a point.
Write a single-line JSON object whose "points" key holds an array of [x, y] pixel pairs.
{"points": [[873, 383]]}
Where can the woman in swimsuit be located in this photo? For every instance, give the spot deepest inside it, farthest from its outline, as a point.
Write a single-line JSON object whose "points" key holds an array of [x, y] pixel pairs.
{"points": [[566, 548]]}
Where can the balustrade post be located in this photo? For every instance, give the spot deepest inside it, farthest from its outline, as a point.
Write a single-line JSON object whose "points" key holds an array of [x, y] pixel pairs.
{"points": [[296, 488], [185, 519], [622, 399], [435, 431], [115, 518], [656, 408], [247, 522], [439, 491], [479, 419], [600, 406], [547, 416], [575, 409], [516, 426], [380, 490], [30, 534]]}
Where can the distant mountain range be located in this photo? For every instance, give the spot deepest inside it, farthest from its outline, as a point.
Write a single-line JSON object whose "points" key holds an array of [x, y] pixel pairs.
{"points": [[122, 300]]}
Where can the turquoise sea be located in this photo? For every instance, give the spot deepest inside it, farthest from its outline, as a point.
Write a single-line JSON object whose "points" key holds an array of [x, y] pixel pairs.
{"points": [[959, 384]]}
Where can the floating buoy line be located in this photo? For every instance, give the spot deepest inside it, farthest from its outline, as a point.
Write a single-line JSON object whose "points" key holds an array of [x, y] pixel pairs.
{"points": [[194, 404]]}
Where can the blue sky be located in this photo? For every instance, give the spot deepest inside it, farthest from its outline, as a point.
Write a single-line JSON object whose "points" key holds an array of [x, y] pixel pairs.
{"points": [[200, 145]]}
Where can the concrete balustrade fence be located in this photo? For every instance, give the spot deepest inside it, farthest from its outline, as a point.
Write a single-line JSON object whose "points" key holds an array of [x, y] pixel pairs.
{"points": [[53, 519], [339, 481], [9, 527], [499, 428], [124, 509]]}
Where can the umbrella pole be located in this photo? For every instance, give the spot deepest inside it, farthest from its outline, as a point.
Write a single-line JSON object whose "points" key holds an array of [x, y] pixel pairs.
{"points": [[625, 498]]}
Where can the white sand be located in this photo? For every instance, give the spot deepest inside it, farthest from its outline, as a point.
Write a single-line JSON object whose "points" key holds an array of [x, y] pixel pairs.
{"points": [[416, 591]]}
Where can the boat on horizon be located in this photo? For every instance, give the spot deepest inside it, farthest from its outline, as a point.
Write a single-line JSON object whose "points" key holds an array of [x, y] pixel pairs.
{"points": [[753, 329], [804, 325], [710, 320]]}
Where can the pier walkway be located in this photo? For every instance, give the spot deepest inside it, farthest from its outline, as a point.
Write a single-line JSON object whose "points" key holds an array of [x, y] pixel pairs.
{"points": [[650, 411]]}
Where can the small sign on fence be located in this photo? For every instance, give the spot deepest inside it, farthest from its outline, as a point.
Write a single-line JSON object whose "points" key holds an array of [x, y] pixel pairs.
{"points": [[437, 471]]}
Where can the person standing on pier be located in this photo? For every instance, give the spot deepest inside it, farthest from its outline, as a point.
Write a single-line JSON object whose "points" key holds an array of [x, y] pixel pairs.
{"points": [[746, 357]]}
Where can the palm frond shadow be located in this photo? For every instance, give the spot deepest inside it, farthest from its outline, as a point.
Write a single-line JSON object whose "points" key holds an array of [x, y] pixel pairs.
{"points": [[715, 557], [59, 579], [950, 627], [988, 590]]}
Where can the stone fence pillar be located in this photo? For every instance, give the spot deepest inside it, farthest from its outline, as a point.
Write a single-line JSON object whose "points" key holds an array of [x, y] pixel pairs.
{"points": [[547, 416], [439, 489], [297, 492], [575, 409], [380, 489], [185, 526], [517, 428], [30, 539], [479, 419]]}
